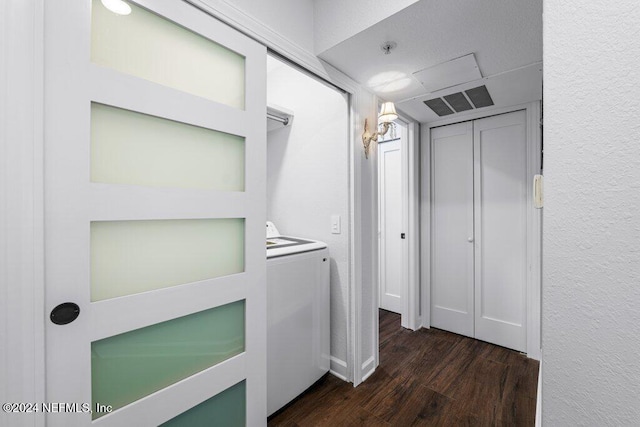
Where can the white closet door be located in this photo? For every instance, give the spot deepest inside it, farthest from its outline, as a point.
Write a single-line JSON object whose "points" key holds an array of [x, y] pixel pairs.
{"points": [[452, 228], [390, 199], [501, 223]]}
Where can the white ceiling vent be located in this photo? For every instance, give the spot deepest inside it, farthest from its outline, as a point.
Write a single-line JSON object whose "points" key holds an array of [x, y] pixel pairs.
{"points": [[477, 97]]}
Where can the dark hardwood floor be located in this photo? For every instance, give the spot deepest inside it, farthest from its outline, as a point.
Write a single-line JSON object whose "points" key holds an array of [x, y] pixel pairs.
{"points": [[428, 377]]}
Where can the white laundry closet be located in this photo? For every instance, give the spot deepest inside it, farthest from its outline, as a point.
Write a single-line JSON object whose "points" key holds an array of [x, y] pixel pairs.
{"points": [[479, 234]]}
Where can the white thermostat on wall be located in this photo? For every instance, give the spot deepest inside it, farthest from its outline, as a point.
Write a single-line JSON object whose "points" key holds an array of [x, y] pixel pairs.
{"points": [[538, 196]]}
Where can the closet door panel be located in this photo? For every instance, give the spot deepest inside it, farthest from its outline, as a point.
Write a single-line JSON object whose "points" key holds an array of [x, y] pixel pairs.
{"points": [[501, 223], [452, 228]]}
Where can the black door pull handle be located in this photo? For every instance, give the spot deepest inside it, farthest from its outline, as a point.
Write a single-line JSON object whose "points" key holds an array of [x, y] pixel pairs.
{"points": [[65, 313]]}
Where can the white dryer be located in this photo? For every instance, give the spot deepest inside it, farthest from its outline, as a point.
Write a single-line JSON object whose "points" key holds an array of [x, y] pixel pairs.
{"points": [[297, 316]]}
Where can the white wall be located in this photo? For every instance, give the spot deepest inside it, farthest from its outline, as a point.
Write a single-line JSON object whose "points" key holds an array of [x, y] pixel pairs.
{"points": [[308, 177], [591, 287], [338, 20]]}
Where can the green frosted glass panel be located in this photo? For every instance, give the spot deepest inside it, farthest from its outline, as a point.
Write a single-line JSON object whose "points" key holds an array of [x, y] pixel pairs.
{"points": [[129, 366], [138, 149], [146, 45], [226, 409], [129, 257]]}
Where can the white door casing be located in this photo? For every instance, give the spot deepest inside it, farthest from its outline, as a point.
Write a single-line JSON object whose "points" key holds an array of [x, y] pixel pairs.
{"points": [[452, 228], [72, 202], [411, 187], [391, 202]]}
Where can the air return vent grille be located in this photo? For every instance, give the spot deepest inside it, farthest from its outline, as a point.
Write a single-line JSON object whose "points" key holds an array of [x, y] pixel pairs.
{"points": [[439, 106], [479, 96], [457, 102]]}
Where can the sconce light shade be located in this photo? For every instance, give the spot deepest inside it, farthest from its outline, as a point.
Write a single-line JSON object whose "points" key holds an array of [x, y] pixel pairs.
{"points": [[387, 112]]}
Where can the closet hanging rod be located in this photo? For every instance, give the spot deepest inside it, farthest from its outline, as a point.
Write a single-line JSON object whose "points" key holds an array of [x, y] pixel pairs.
{"points": [[283, 120]]}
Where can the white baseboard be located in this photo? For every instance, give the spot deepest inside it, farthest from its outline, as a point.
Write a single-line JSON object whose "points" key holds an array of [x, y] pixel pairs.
{"points": [[338, 368], [368, 368]]}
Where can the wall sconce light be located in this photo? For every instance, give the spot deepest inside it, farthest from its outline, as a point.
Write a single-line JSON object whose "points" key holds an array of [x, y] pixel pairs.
{"points": [[386, 116]]}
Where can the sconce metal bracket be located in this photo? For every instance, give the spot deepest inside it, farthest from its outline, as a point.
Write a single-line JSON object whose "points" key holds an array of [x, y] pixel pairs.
{"points": [[368, 137]]}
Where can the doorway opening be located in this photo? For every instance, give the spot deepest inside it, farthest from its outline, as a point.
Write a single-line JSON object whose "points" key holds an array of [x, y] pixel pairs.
{"points": [[398, 202], [392, 219], [308, 194]]}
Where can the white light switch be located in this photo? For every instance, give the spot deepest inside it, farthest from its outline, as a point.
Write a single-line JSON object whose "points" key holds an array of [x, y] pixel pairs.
{"points": [[335, 224]]}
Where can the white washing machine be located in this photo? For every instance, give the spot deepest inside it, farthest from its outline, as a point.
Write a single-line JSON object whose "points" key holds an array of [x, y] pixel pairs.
{"points": [[297, 316]]}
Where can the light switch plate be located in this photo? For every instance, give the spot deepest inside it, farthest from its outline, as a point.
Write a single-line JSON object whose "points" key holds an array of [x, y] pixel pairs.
{"points": [[335, 224]]}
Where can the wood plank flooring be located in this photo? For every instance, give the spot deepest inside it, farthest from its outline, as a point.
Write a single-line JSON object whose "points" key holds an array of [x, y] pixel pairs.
{"points": [[428, 378]]}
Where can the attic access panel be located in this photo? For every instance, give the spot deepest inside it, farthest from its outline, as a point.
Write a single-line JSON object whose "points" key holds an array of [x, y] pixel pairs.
{"points": [[449, 74]]}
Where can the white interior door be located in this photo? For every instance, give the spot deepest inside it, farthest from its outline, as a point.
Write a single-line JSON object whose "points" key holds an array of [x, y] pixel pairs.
{"points": [[390, 216], [500, 146], [452, 228], [479, 229], [155, 209]]}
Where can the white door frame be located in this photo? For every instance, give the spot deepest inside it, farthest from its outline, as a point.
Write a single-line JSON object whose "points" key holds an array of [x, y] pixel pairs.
{"points": [[412, 306], [534, 219], [22, 358], [411, 317], [409, 148]]}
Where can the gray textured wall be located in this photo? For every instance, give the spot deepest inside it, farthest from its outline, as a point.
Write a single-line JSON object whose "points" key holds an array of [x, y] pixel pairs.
{"points": [[591, 283]]}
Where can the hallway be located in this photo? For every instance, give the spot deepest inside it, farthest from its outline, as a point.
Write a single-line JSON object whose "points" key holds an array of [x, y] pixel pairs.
{"points": [[428, 377]]}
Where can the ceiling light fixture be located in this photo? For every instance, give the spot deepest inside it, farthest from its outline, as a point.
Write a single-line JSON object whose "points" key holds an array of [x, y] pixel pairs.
{"points": [[119, 7], [387, 115]]}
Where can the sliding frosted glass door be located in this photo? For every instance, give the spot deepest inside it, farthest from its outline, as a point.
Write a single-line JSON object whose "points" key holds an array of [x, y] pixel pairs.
{"points": [[155, 210]]}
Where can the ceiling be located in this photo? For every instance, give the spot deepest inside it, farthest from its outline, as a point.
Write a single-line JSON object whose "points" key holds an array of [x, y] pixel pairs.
{"points": [[504, 36]]}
